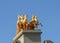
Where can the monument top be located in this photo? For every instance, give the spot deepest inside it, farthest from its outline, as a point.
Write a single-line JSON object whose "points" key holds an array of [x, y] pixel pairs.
{"points": [[23, 24]]}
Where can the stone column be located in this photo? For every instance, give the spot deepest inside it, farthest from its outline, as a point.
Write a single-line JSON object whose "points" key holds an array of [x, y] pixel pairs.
{"points": [[28, 36]]}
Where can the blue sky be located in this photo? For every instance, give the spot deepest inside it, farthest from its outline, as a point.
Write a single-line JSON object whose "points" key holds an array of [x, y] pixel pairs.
{"points": [[48, 12]]}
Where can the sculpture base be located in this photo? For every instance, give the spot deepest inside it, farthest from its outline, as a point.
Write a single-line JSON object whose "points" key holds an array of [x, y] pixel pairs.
{"points": [[28, 36]]}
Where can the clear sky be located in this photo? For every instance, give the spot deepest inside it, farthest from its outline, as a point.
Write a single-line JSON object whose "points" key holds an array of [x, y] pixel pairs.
{"points": [[48, 12]]}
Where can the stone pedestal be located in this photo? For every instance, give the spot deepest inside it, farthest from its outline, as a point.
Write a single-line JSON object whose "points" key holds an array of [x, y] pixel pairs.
{"points": [[28, 36]]}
